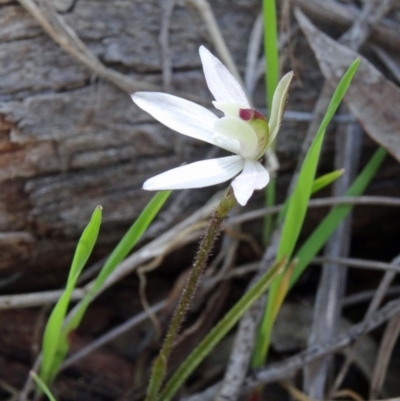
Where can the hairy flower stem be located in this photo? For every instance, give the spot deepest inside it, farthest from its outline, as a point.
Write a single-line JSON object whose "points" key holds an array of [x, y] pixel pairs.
{"points": [[160, 364]]}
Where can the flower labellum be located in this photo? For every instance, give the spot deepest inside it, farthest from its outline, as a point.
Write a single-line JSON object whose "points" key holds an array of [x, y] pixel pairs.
{"points": [[242, 131]]}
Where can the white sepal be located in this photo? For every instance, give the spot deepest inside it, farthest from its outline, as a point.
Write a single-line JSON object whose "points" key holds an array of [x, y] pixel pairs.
{"points": [[254, 176], [197, 175], [222, 84], [180, 115], [278, 106]]}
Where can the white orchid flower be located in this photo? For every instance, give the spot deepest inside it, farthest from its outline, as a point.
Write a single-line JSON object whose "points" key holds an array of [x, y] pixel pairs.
{"points": [[242, 131]]}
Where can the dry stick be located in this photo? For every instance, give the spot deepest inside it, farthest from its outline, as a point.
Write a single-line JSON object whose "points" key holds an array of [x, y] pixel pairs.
{"points": [[364, 296], [163, 39], [65, 37], [388, 342], [154, 264], [36, 298], [50, 297], [112, 334], [332, 283], [291, 115], [240, 271], [228, 249], [156, 247], [56, 27], [391, 65], [250, 76], [331, 289], [242, 348], [393, 267], [374, 305], [208, 17], [292, 365], [328, 12], [321, 202]]}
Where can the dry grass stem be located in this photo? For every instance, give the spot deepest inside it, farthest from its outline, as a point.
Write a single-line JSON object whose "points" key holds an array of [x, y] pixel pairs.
{"points": [[321, 202], [55, 26]]}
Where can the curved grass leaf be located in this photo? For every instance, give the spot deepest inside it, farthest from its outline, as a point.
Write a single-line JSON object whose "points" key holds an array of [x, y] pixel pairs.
{"points": [[121, 251], [54, 325], [325, 180], [296, 212], [42, 385], [326, 228], [271, 52]]}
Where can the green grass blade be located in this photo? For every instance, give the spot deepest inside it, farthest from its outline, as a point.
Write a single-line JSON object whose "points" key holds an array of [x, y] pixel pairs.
{"points": [[299, 200], [318, 184], [219, 331], [296, 212], [270, 49], [325, 180], [326, 228], [118, 255], [42, 385], [53, 328], [271, 81]]}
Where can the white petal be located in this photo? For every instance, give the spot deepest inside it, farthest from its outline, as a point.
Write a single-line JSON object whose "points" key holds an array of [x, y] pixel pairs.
{"points": [[181, 115], [254, 176], [229, 109], [197, 175], [278, 105], [237, 132], [222, 84], [229, 144]]}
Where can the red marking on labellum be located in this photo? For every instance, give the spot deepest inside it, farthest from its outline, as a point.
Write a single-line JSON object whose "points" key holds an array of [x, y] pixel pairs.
{"points": [[246, 114], [250, 114]]}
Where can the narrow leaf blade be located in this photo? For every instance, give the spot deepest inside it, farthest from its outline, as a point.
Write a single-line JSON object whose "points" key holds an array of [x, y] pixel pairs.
{"points": [[51, 337]]}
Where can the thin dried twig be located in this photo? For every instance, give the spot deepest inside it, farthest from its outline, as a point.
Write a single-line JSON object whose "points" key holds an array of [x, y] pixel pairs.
{"points": [[364, 296], [360, 263], [112, 334], [349, 145], [252, 54], [239, 359], [374, 305], [205, 10], [154, 264], [55, 26], [333, 278], [208, 284], [392, 66], [163, 39], [385, 352], [289, 367], [320, 202], [36, 298], [384, 33], [150, 251]]}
